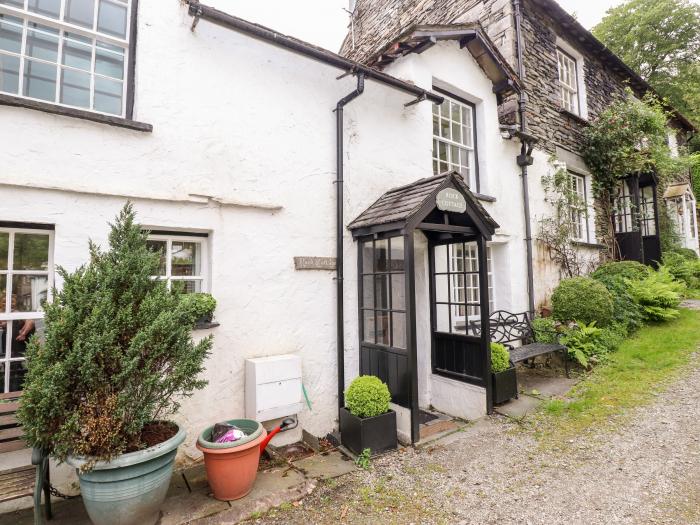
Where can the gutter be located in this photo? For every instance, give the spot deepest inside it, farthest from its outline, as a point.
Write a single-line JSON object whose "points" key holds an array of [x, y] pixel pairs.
{"points": [[525, 158], [204, 12]]}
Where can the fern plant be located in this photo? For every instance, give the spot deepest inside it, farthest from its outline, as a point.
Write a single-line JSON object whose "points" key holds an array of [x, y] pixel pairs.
{"points": [[583, 342], [658, 295]]}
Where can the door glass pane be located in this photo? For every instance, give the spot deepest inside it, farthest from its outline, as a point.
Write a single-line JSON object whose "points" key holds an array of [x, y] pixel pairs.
{"points": [[42, 42], [77, 52], [441, 258], [80, 12], [10, 33], [22, 331], [368, 291], [3, 294], [398, 330], [398, 291], [381, 255], [381, 291], [75, 88], [9, 74], [186, 258], [2, 365], [31, 252], [39, 80], [4, 246], [368, 325], [50, 8], [158, 247], [108, 96], [18, 369], [442, 318], [112, 19], [397, 264], [109, 60], [28, 292], [382, 326]]}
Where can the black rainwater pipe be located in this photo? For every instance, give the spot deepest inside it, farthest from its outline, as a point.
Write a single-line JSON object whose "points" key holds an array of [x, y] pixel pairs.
{"points": [[340, 229], [523, 159]]}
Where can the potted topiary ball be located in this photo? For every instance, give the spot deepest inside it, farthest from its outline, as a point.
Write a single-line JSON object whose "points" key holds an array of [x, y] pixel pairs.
{"points": [[117, 356], [366, 421], [503, 378]]}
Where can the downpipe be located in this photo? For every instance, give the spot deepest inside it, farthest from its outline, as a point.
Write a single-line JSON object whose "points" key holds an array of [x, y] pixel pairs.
{"points": [[340, 309]]}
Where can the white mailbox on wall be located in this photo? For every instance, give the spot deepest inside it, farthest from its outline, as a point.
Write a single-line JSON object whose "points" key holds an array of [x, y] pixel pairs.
{"points": [[272, 387]]}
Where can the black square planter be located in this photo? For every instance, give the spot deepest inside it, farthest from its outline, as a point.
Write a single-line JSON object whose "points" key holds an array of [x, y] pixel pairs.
{"points": [[375, 433], [505, 385]]}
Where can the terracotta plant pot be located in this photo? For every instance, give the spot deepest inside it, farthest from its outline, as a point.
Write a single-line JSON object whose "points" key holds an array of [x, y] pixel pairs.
{"points": [[232, 467]]}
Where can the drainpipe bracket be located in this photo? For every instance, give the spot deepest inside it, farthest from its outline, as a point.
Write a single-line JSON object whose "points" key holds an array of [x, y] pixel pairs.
{"points": [[416, 100]]}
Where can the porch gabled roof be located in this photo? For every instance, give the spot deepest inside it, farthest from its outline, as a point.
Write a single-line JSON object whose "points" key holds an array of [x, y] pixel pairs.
{"points": [[405, 205]]}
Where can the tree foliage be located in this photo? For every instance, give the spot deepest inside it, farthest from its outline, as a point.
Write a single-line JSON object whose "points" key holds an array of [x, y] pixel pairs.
{"points": [[660, 40], [117, 353]]}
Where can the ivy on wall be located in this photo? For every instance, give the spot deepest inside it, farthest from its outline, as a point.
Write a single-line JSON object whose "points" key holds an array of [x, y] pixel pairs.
{"points": [[631, 136]]}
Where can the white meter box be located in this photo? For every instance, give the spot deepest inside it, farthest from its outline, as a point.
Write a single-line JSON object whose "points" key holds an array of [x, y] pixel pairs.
{"points": [[272, 387]]}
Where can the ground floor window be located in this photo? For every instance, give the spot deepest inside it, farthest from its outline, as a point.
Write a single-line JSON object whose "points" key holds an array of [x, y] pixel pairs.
{"points": [[26, 280], [183, 259]]}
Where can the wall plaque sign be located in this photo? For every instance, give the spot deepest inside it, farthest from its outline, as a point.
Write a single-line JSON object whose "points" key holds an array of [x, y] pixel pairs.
{"points": [[451, 200], [314, 263]]}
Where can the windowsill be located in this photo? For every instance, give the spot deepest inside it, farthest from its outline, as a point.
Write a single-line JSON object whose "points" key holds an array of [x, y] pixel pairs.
{"points": [[574, 116], [486, 198], [206, 326], [586, 244], [46, 107]]}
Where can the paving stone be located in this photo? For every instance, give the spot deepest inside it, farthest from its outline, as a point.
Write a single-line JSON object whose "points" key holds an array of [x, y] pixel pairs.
{"points": [[327, 466], [518, 407], [70, 512], [185, 507], [545, 386]]}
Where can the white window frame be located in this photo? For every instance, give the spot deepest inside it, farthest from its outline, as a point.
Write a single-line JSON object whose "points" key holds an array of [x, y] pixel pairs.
{"points": [[64, 27], [576, 82], [168, 277], [8, 316], [579, 212], [469, 169]]}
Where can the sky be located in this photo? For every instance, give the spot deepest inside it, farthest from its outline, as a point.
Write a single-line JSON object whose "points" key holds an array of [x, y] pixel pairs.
{"points": [[325, 22]]}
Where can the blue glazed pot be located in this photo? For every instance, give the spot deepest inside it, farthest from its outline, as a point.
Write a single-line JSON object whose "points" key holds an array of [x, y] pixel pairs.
{"points": [[130, 489]]}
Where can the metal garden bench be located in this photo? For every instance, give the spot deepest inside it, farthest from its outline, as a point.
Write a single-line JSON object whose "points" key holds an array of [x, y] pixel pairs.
{"points": [[507, 327], [27, 480]]}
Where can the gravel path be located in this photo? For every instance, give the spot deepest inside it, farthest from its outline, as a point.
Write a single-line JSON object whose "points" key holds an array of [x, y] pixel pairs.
{"points": [[645, 472]]}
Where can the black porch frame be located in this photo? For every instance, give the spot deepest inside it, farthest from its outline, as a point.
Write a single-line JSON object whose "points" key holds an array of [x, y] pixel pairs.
{"points": [[398, 214], [634, 242]]}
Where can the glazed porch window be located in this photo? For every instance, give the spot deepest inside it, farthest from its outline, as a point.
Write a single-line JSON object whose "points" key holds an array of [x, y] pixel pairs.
{"points": [[183, 261], [568, 82], [66, 52], [623, 208], [453, 140], [646, 209], [26, 280]]}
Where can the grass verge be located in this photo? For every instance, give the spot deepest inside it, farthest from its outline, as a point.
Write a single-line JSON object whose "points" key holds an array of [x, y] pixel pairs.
{"points": [[630, 377]]}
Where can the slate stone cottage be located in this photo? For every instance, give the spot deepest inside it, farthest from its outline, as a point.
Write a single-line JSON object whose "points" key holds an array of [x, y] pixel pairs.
{"points": [[299, 186]]}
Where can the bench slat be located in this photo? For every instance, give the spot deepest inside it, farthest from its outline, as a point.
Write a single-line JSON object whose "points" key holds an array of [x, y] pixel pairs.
{"points": [[11, 446], [8, 408], [7, 421], [11, 433], [21, 487], [11, 395], [526, 352]]}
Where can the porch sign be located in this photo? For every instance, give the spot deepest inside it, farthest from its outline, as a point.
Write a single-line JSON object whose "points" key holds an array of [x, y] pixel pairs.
{"points": [[314, 263], [451, 200]]}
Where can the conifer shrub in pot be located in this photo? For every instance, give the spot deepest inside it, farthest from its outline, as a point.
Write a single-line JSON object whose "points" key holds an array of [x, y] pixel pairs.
{"points": [[116, 357], [366, 421], [503, 377]]}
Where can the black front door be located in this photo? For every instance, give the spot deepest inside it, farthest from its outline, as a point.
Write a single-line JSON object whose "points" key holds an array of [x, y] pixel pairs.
{"points": [[635, 219]]}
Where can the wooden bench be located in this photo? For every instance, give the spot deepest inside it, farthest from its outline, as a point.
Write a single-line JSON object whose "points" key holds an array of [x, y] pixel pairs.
{"points": [[27, 480], [507, 327]]}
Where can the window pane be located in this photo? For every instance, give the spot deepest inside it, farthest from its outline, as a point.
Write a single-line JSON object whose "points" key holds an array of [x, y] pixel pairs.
{"points": [[398, 291], [109, 60], [368, 325], [398, 330], [382, 325], [445, 128], [50, 8], [441, 295], [77, 52], [368, 291], [456, 132], [2, 365], [9, 74], [441, 258], [28, 292], [39, 80], [10, 33], [22, 331], [4, 249], [42, 42], [397, 254], [381, 255], [3, 293], [31, 252], [186, 258], [108, 96], [367, 257], [193, 286], [456, 252], [18, 369], [442, 318], [80, 12], [112, 19], [16, 3], [381, 290], [158, 247], [75, 88]]}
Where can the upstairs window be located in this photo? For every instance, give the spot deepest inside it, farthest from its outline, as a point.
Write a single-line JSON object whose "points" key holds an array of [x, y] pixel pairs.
{"points": [[183, 260], [67, 52], [454, 148], [568, 82]]}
